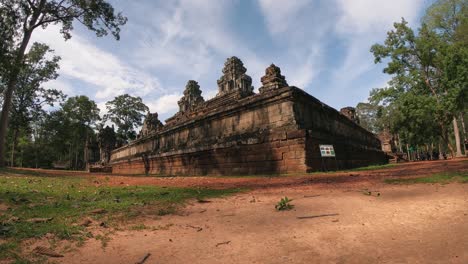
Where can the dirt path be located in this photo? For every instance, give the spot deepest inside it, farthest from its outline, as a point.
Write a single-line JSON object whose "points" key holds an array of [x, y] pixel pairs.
{"points": [[419, 223], [405, 224]]}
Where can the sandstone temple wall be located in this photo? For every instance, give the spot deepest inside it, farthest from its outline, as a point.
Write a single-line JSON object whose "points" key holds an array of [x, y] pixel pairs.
{"points": [[238, 132], [354, 146], [248, 137]]}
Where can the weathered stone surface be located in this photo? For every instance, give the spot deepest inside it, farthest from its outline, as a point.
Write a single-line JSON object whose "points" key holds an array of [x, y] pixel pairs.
{"points": [[192, 97], [235, 79], [387, 141], [350, 113], [272, 79], [151, 124], [276, 131]]}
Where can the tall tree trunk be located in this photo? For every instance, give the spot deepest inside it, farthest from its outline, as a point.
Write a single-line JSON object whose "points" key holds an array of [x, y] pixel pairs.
{"points": [[13, 78], [399, 143], [445, 138], [13, 147], [457, 137], [85, 151], [408, 151], [462, 120], [70, 157]]}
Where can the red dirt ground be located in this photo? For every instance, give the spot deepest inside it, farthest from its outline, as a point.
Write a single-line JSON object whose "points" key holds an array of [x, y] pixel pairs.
{"points": [[358, 178], [418, 223]]}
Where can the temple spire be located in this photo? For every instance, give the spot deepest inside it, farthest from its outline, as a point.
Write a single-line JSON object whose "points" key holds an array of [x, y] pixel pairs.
{"points": [[192, 97], [272, 79], [234, 78]]}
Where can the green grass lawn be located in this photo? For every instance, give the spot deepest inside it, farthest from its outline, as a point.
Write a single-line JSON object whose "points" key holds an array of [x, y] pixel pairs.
{"points": [[434, 178], [66, 201]]}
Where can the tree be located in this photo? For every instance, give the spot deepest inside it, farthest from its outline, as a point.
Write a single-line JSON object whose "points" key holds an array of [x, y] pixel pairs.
{"points": [[30, 97], [369, 116], [422, 72], [22, 17], [450, 19], [127, 113], [82, 115]]}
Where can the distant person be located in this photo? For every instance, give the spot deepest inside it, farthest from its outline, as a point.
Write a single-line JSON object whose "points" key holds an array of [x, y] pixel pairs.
{"points": [[444, 155]]}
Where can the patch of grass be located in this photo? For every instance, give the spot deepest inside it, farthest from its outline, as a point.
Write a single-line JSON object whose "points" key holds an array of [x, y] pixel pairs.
{"points": [[434, 178], [139, 227], [8, 249], [104, 239], [68, 200], [374, 167]]}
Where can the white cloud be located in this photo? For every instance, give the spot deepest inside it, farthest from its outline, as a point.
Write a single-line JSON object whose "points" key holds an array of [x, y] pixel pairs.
{"points": [[188, 38], [364, 16], [165, 104], [207, 95], [100, 69], [303, 28], [279, 14], [60, 85]]}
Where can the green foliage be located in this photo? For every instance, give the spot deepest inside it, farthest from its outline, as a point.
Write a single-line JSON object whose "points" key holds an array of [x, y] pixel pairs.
{"points": [[369, 116], [62, 135], [97, 15], [18, 20], [127, 113], [31, 96], [284, 204], [81, 111], [449, 18], [461, 176], [429, 75]]}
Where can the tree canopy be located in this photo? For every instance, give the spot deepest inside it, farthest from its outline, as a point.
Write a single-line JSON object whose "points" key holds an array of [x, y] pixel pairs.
{"points": [[429, 70], [127, 113], [18, 20]]}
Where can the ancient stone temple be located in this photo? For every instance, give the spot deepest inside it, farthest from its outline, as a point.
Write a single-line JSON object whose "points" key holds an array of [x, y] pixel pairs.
{"points": [[278, 130]]}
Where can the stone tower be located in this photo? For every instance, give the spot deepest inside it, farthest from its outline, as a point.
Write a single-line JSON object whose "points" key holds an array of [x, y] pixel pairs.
{"points": [[192, 97], [150, 125], [234, 79], [272, 79]]}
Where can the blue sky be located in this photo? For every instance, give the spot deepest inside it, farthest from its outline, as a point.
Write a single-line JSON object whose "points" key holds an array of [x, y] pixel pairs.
{"points": [[321, 46]]}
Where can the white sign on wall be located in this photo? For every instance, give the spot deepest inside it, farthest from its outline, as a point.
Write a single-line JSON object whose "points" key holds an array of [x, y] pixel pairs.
{"points": [[327, 151]]}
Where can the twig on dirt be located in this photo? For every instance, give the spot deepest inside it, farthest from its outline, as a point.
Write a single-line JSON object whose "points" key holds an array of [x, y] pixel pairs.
{"points": [[144, 259], [202, 211], [204, 201], [223, 243], [315, 216], [39, 220], [310, 196], [47, 252], [195, 227], [99, 211]]}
